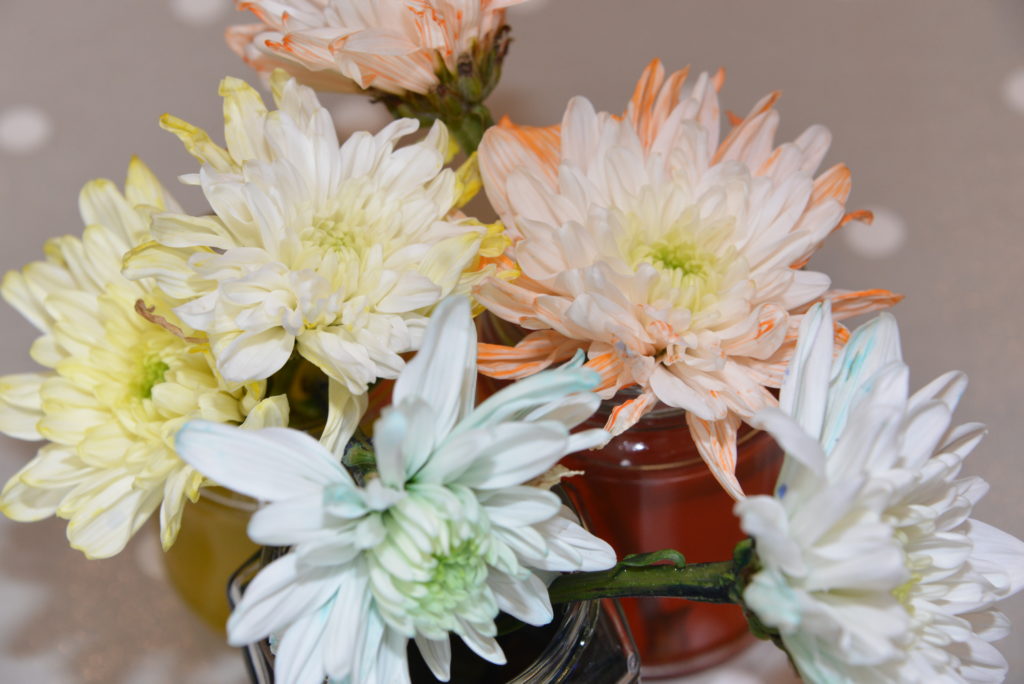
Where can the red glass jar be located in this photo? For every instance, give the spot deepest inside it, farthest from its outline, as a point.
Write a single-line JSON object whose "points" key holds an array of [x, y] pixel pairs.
{"points": [[647, 490]]}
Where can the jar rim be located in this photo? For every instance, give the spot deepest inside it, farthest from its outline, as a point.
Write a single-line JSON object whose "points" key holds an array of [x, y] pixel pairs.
{"points": [[221, 496], [684, 463]]}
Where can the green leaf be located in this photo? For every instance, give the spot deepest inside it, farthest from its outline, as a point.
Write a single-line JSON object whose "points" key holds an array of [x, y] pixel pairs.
{"points": [[639, 560]]}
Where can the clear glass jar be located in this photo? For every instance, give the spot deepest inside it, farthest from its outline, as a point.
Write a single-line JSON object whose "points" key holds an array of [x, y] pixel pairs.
{"points": [[587, 643], [648, 489]]}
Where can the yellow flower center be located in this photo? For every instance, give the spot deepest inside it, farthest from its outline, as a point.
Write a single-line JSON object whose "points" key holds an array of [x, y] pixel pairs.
{"points": [[902, 592], [693, 256], [358, 217]]}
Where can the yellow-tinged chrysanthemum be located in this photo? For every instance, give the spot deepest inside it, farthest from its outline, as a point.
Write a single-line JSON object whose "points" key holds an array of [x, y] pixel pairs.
{"points": [[674, 258], [338, 252], [124, 378]]}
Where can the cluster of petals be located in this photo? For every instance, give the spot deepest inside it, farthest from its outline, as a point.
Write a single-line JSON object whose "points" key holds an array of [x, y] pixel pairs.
{"points": [[448, 531], [871, 569], [394, 46], [122, 380], [338, 252], [673, 258]]}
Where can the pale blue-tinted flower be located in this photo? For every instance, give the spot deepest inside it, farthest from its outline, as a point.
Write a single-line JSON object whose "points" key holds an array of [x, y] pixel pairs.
{"points": [[448, 533], [872, 570]]}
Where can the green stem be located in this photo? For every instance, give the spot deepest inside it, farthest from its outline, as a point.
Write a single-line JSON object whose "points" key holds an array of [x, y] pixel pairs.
{"points": [[469, 131], [458, 99], [707, 582]]}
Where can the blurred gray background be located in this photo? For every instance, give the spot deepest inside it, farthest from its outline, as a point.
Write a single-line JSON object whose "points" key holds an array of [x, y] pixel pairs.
{"points": [[925, 99]]}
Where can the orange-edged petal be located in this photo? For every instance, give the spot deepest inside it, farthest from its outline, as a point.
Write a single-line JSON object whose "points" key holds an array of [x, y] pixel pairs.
{"points": [[243, 41], [754, 127], [508, 146], [762, 340], [514, 301], [862, 215], [849, 303], [609, 366], [654, 99], [716, 443], [626, 414], [718, 80], [532, 354], [835, 183]]}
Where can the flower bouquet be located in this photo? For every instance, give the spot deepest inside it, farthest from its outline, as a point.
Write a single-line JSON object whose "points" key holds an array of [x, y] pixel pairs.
{"points": [[309, 342]]}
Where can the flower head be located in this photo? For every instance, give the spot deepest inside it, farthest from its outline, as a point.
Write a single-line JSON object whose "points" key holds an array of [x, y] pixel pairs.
{"points": [[673, 258], [124, 378], [871, 568], [392, 46], [447, 533], [336, 252]]}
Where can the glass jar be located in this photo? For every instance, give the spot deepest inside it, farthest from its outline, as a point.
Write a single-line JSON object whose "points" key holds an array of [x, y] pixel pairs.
{"points": [[211, 544], [648, 489], [587, 643]]}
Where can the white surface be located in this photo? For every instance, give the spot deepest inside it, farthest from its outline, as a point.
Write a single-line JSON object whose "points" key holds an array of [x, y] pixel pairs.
{"points": [[200, 12], [24, 129], [1013, 90]]}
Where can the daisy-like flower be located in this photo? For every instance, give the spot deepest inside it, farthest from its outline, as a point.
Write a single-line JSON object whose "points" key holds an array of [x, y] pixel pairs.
{"points": [[871, 569], [336, 252], [124, 378], [449, 531], [675, 260], [394, 46]]}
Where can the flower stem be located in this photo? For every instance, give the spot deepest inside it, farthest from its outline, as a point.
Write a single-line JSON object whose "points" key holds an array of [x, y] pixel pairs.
{"points": [[458, 99], [707, 582]]}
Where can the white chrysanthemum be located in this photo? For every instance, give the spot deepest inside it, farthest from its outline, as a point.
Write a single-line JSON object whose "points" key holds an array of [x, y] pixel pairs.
{"points": [[672, 256], [390, 45], [871, 569], [122, 382], [336, 252], [445, 536]]}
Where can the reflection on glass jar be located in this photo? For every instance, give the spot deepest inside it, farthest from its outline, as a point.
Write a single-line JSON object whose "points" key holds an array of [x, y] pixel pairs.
{"points": [[211, 545], [587, 643], [647, 490]]}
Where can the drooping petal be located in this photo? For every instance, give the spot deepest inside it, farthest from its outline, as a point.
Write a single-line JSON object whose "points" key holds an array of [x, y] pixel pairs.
{"points": [[716, 443], [272, 464], [344, 411]]}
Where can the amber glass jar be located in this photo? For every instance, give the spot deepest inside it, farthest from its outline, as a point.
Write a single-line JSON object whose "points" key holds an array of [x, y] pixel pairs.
{"points": [[647, 490], [211, 544]]}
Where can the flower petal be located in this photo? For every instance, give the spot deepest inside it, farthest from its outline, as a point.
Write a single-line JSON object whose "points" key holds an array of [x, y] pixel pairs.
{"points": [[272, 464], [444, 371]]}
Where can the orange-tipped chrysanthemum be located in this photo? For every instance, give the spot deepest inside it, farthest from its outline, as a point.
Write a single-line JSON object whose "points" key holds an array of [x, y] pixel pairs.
{"points": [[394, 46], [673, 258]]}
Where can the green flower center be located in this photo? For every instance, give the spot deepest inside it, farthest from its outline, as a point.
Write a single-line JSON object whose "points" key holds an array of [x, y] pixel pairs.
{"points": [[337, 234], [455, 578], [153, 372], [693, 255], [684, 257], [691, 274]]}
